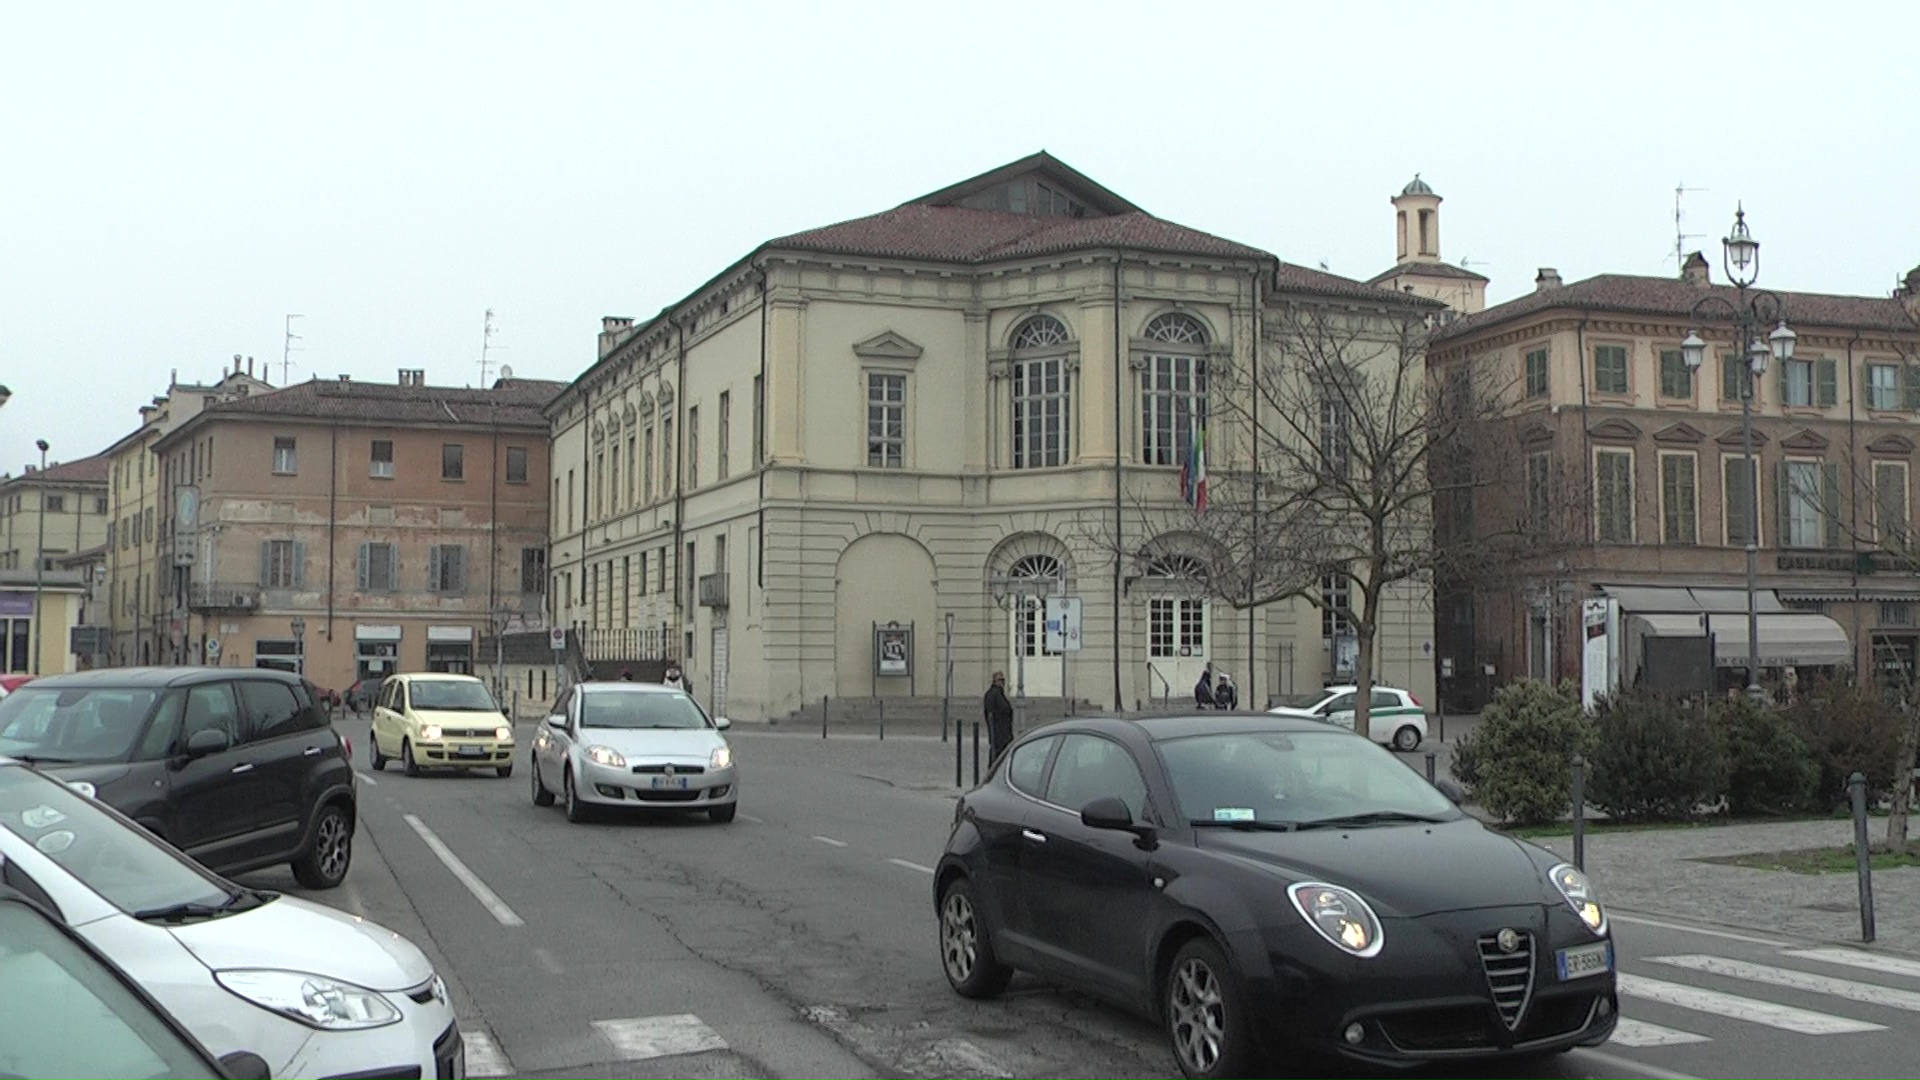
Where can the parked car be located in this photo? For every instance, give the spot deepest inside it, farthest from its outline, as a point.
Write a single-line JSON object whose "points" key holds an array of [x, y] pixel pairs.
{"points": [[238, 767], [10, 683], [329, 698], [1396, 718], [66, 1010], [1264, 885], [634, 746], [439, 721], [361, 695]]}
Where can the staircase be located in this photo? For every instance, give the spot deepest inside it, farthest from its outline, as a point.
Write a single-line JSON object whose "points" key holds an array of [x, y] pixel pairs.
{"points": [[920, 715]]}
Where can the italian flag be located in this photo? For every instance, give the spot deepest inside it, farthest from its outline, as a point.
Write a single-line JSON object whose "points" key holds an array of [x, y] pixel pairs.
{"points": [[1193, 465]]}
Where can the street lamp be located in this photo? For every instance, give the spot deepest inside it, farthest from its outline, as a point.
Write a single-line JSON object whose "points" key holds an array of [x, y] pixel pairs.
{"points": [[300, 645], [1741, 260], [40, 563]]}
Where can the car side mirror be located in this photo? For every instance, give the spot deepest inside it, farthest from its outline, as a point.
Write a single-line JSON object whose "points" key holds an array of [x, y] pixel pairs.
{"points": [[1108, 812], [1455, 791], [557, 722], [246, 1065], [202, 743], [722, 723]]}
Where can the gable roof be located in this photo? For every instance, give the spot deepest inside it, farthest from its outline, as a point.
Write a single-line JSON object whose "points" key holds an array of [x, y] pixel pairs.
{"points": [[1042, 164], [955, 234], [1428, 269], [1292, 278], [86, 470]]}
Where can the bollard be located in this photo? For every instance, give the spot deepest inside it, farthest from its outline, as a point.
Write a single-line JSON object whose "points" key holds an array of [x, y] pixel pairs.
{"points": [[946, 713], [1862, 854], [1579, 813], [1430, 767], [959, 777], [976, 753], [1440, 703], [883, 719], [823, 716]]}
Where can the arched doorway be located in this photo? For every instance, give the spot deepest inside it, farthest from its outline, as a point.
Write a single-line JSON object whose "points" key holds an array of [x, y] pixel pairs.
{"points": [[1178, 620], [1027, 627]]}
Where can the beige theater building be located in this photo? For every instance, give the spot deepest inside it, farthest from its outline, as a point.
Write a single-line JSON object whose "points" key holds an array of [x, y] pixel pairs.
{"points": [[794, 477]]}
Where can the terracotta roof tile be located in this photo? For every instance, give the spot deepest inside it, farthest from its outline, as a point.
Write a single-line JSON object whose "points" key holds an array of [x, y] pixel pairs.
{"points": [[1301, 279], [512, 402], [87, 470], [960, 235], [1434, 269]]}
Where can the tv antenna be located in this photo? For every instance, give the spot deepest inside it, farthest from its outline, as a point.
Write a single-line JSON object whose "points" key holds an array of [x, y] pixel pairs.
{"points": [[486, 347], [287, 349], [1680, 235]]}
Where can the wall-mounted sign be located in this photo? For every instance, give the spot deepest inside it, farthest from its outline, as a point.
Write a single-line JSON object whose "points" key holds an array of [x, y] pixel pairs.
{"points": [[1063, 624], [892, 649]]}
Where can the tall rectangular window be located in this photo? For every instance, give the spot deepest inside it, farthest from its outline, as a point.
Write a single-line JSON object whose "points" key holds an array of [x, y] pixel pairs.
{"points": [[626, 590], [759, 421], [1173, 391], [377, 565], [446, 568], [1176, 627], [693, 447], [280, 564], [723, 450], [1613, 496], [380, 459], [1537, 373], [1679, 499], [285, 463], [1336, 433], [1883, 386], [1796, 378], [1540, 491], [1610, 370], [646, 466], [1810, 504], [516, 464], [1336, 606], [613, 477], [1890, 504], [1676, 379], [599, 487], [633, 469], [886, 420], [669, 479], [1040, 413], [1733, 377], [453, 461], [1737, 496], [533, 570]]}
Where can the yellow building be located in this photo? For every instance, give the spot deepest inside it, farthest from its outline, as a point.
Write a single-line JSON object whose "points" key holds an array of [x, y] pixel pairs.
{"points": [[46, 516], [796, 479]]}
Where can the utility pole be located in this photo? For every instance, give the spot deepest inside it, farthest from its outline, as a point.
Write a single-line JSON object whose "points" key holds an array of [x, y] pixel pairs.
{"points": [[40, 564], [287, 350]]}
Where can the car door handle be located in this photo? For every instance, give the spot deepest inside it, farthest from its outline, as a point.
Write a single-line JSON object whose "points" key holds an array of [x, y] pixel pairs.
{"points": [[1036, 837], [313, 751], [248, 767]]}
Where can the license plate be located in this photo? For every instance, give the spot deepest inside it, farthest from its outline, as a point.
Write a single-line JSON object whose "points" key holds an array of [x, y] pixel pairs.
{"points": [[1585, 960], [471, 751], [678, 783]]}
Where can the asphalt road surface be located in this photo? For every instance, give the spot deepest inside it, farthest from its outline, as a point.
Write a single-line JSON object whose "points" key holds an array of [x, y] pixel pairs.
{"points": [[798, 941]]}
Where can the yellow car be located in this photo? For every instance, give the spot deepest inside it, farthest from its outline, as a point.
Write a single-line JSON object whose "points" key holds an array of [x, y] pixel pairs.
{"points": [[434, 721]]}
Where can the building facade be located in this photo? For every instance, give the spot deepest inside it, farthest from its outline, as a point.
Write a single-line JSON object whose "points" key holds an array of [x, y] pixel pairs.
{"points": [[351, 530], [833, 470], [1653, 455], [47, 516]]}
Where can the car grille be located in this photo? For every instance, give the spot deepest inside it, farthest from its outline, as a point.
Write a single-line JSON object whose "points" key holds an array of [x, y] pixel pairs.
{"points": [[467, 733], [678, 770], [644, 795], [1509, 976]]}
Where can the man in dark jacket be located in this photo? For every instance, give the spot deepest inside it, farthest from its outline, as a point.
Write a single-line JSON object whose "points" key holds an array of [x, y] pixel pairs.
{"points": [[1203, 690], [999, 715]]}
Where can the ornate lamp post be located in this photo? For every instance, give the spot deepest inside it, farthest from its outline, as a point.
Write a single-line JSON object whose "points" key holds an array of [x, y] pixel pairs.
{"points": [[1021, 594], [300, 645], [1751, 310], [40, 564]]}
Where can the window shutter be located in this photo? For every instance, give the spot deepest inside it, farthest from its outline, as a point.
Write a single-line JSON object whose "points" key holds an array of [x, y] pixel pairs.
{"points": [[455, 562], [1830, 498], [433, 568], [1782, 517], [266, 563], [365, 566], [1828, 383], [299, 563], [1912, 375], [1782, 369]]}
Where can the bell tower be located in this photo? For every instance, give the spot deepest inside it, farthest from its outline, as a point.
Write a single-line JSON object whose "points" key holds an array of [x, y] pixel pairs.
{"points": [[1417, 266], [1417, 213]]}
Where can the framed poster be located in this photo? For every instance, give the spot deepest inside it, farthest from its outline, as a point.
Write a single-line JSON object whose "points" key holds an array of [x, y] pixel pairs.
{"points": [[892, 649]]}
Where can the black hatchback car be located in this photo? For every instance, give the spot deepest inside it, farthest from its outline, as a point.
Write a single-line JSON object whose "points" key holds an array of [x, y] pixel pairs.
{"points": [[238, 767], [1259, 883]]}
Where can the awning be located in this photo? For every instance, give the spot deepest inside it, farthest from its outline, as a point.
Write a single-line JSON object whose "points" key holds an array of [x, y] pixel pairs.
{"points": [[450, 633], [1649, 599], [1667, 626], [1786, 640]]}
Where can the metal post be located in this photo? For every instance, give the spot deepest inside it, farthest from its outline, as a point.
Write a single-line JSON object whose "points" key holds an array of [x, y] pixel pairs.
{"points": [[1440, 707], [1862, 854], [959, 777], [883, 719], [823, 716], [1430, 767], [1753, 506], [40, 566], [976, 753], [1579, 812], [1020, 665], [946, 699]]}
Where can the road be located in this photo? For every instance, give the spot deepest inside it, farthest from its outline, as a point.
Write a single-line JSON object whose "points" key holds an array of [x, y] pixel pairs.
{"points": [[799, 941]]}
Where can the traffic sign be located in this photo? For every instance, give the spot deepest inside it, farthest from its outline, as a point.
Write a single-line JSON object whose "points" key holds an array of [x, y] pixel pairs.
{"points": [[557, 639], [1063, 624]]}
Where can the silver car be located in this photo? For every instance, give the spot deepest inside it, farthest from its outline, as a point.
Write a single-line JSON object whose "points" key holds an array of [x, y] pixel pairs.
{"points": [[633, 745]]}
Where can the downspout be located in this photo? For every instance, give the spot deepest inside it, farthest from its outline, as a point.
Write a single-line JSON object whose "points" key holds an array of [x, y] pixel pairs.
{"points": [[493, 518], [1119, 478], [679, 468], [1554, 652], [333, 519], [1853, 508], [759, 407], [1253, 534]]}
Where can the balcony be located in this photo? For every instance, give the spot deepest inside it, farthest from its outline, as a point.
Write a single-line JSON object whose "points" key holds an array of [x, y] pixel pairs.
{"points": [[224, 596], [713, 591]]}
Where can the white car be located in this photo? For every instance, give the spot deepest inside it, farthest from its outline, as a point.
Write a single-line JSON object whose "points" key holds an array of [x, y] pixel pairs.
{"points": [[635, 746], [1395, 718], [314, 992]]}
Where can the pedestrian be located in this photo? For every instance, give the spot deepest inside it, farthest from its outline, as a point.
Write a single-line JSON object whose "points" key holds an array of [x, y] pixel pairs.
{"points": [[1203, 690], [1226, 697], [999, 715], [672, 678]]}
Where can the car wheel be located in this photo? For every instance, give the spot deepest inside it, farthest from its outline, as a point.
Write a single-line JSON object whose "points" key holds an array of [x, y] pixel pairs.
{"points": [[503, 771], [541, 796], [576, 810], [724, 814], [1407, 739], [1204, 1012], [966, 952], [379, 762], [407, 764], [324, 864]]}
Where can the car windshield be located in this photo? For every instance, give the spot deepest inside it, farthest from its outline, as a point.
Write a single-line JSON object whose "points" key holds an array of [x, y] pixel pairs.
{"points": [[64, 1013], [1295, 778], [631, 710], [450, 695], [40, 723], [126, 866]]}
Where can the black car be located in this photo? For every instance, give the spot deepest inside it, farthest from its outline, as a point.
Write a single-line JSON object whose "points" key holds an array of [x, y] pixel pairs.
{"points": [[66, 1010], [1263, 883], [238, 767]]}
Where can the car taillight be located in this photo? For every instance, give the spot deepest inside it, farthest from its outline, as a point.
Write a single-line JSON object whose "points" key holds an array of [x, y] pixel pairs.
{"points": [[1415, 698], [346, 744]]}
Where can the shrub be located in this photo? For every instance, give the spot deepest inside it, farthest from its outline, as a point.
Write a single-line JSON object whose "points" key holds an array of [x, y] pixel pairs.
{"points": [[1517, 760], [1769, 768], [1847, 730], [1655, 758]]}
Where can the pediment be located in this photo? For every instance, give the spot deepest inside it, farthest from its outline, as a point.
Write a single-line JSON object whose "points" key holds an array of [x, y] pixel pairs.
{"points": [[1615, 429], [628, 414], [599, 431], [1891, 444], [646, 403], [1682, 432], [1535, 434], [1805, 439], [887, 346], [666, 395], [1730, 438]]}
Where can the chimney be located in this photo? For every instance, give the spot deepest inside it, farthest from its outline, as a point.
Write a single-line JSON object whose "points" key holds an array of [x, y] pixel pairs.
{"points": [[249, 367], [1696, 271], [344, 376], [1548, 278], [613, 330]]}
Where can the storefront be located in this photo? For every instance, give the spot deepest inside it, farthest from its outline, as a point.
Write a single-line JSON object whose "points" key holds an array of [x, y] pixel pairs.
{"points": [[279, 654], [1664, 626], [16, 632], [450, 649], [376, 652]]}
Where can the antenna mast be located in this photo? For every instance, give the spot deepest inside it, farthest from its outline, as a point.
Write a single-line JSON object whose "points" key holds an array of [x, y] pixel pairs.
{"points": [[287, 349], [1680, 235], [487, 346]]}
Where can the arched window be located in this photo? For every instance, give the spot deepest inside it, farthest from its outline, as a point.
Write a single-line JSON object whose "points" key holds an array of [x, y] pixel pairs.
{"points": [[1173, 388], [1177, 621], [1041, 393], [1029, 625]]}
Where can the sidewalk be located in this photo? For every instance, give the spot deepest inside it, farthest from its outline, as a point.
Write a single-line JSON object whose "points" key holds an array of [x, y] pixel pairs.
{"points": [[1654, 872]]}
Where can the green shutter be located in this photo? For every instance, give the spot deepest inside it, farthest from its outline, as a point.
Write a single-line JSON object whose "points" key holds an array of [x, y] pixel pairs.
{"points": [[1782, 487], [299, 563], [1912, 386], [1830, 497], [266, 563], [1827, 383], [433, 568]]}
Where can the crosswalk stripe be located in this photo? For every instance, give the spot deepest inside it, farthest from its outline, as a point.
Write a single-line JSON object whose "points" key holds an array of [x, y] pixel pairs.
{"points": [[483, 1055], [1866, 993], [1734, 1007], [644, 1037], [1629, 1032], [1866, 961]]}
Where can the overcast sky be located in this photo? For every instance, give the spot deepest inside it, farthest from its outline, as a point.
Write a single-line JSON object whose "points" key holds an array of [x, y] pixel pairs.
{"points": [[176, 178]]}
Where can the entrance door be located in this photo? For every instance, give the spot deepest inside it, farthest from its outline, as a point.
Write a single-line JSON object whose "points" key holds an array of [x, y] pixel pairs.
{"points": [[1177, 643], [717, 693], [1027, 632]]}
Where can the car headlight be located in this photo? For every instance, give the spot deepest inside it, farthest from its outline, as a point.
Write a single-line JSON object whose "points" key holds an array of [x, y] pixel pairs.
{"points": [[313, 1000], [503, 734], [722, 758], [1579, 895], [430, 733], [1339, 915], [606, 755]]}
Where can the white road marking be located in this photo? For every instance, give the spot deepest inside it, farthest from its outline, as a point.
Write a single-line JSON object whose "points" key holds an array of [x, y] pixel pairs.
{"points": [[1640, 1033], [645, 1037], [1619, 1066], [483, 1055], [547, 961], [831, 840], [749, 818], [1684, 928], [355, 903], [1866, 993], [1866, 961], [488, 899], [1733, 1007], [911, 865]]}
